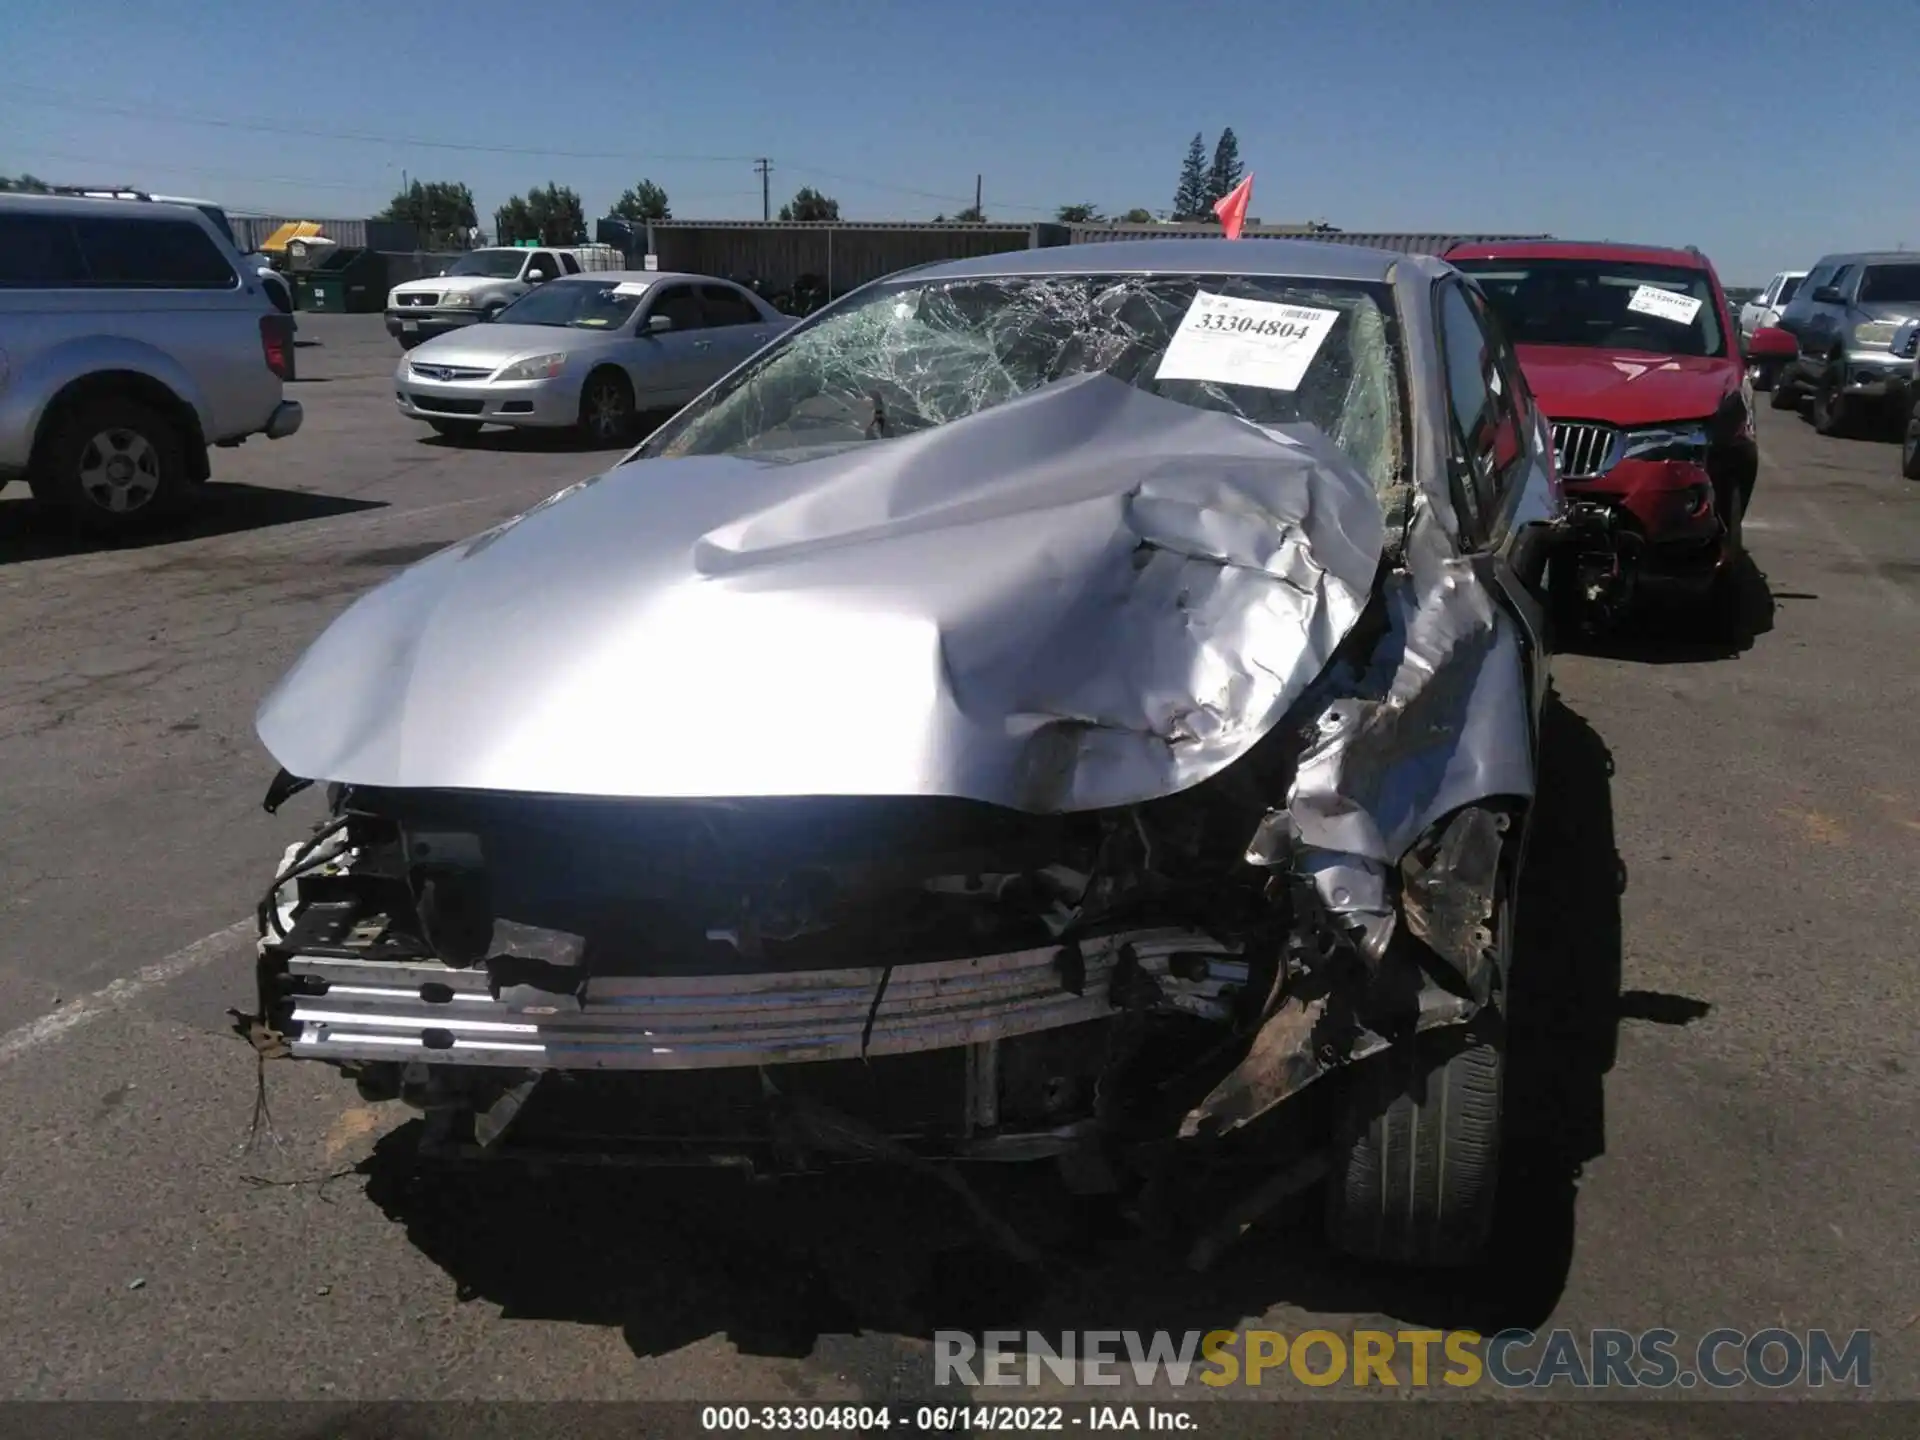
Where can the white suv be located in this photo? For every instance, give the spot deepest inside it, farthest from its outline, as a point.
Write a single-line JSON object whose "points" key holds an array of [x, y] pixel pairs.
{"points": [[132, 337]]}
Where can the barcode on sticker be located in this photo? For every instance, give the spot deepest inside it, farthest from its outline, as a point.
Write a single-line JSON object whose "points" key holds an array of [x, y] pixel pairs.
{"points": [[1230, 341]]}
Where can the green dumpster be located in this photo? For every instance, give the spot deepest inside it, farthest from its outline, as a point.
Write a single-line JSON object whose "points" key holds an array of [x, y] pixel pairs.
{"points": [[326, 292], [352, 282]]}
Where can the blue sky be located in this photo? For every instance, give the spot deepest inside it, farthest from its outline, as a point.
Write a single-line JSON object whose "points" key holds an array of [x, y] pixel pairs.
{"points": [[1699, 122]]}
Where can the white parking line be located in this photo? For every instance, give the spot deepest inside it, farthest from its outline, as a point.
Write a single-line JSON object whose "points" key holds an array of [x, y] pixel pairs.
{"points": [[204, 951]]}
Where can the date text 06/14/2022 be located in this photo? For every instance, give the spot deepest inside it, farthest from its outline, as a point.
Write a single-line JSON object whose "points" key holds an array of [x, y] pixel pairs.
{"points": [[944, 1419]]}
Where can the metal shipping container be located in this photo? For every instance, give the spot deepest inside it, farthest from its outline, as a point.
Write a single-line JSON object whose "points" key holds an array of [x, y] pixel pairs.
{"points": [[1407, 242], [842, 255], [252, 231]]}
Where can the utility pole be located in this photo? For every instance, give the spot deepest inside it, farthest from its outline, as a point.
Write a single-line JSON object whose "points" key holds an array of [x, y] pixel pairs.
{"points": [[765, 168], [976, 196]]}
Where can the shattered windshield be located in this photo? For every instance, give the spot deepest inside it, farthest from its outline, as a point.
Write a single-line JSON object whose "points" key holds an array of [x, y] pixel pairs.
{"points": [[577, 304], [1603, 304], [907, 357]]}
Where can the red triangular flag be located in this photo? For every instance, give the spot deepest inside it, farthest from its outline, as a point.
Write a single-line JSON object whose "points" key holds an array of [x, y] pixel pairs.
{"points": [[1232, 207]]}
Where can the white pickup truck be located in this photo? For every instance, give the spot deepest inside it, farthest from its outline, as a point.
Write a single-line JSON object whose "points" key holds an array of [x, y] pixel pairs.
{"points": [[481, 283]]}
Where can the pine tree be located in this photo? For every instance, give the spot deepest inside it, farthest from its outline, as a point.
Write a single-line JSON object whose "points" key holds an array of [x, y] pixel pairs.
{"points": [[645, 201], [1227, 171], [1190, 200], [810, 205]]}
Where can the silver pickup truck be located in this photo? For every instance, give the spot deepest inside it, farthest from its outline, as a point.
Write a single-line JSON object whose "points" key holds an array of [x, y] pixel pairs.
{"points": [[132, 338]]}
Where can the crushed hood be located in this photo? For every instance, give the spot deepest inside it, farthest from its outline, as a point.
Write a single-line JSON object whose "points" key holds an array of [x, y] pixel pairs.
{"points": [[1625, 387], [1085, 597]]}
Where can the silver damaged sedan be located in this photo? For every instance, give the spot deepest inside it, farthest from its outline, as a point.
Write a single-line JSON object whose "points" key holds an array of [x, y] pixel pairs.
{"points": [[589, 351], [1071, 705]]}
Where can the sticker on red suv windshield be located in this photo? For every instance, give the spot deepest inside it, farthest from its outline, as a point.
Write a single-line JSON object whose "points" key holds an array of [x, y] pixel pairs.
{"points": [[1664, 304], [1245, 342]]}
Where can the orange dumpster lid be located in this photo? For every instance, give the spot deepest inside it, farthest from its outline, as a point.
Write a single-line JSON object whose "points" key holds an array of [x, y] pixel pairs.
{"points": [[289, 232]]}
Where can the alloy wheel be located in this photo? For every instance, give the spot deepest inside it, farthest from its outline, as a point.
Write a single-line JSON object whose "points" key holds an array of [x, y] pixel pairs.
{"points": [[119, 471], [608, 411]]}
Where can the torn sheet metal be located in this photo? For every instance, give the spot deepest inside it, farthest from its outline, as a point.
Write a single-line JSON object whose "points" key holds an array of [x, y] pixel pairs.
{"points": [[1450, 724], [1084, 597], [1299, 1043]]}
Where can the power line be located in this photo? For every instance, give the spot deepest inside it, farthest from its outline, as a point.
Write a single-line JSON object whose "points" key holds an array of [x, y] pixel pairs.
{"points": [[60, 101], [946, 195], [119, 165], [268, 127]]}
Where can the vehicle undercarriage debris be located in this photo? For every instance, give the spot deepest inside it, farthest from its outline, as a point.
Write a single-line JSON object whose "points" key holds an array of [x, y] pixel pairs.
{"points": [[1117, 796]]}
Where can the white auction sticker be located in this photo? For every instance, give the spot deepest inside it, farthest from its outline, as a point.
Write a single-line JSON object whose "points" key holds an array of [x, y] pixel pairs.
{"points": [[1664, 304], [1245, 342], [633, 287]]}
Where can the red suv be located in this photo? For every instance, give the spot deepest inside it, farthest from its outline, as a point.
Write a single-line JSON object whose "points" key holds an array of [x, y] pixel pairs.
{"points": [[1633, 356]]}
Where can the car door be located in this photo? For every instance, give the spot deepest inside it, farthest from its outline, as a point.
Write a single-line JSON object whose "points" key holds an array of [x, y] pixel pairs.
{"points": [[1501, 460], [1753, 313], [673, 361], [738, 324], [1826, 319]]}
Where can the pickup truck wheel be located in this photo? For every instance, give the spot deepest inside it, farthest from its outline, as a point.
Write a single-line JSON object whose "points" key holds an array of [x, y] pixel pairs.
{"points": [[1910, 445], [116, 465], [455, 429], [1832, 413], [1417, 1152], [1786, 395], [606, 408]]}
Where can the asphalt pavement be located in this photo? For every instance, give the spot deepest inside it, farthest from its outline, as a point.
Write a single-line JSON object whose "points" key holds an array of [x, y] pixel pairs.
{"points": [[1713, 1090]]}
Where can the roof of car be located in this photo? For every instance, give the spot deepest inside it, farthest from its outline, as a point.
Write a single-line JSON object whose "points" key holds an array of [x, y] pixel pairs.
{"points": [[632, 277], [1871, 257], [1198, 256], [1577, 250], [92, 205]]}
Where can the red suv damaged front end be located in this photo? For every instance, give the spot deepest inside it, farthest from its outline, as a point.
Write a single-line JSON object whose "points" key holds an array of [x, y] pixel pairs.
{"points": [[1632, 354]]}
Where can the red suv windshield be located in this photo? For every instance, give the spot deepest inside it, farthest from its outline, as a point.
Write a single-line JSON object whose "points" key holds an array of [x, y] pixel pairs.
{"points": [[1612, 305]]}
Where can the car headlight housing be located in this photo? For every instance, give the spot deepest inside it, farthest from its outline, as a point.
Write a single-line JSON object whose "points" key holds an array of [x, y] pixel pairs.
{"points": [[1906, 341], [456, 300], [1688, 440], [1874, 335], [533, 367]]}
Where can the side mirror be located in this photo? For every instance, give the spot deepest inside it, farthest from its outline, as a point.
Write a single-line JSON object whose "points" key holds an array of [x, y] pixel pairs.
{"points": [[1770, 342], [1828, 295], [534, 277], [659, 324]]}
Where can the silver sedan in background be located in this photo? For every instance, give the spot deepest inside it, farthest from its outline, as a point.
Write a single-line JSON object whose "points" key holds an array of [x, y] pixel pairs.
{"points": [[588, 352]]}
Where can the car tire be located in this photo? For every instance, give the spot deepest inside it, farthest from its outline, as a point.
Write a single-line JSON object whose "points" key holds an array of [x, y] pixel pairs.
{"points": [[1832, 414], [1416, 1154], [1910, 445], [1786, 394], [455, 429], [115, 465], [1761, 376], [607, 408]]}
